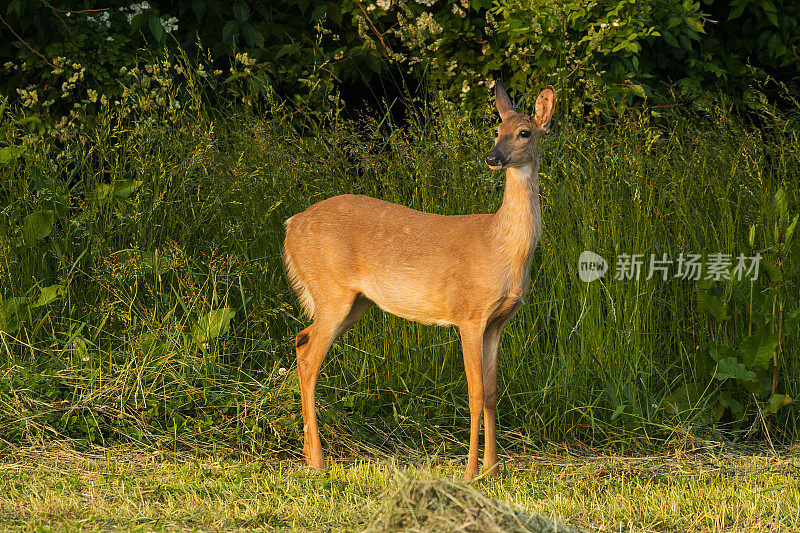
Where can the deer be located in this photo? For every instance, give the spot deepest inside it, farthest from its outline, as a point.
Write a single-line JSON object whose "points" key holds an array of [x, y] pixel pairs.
{"points": [[349, 252]]}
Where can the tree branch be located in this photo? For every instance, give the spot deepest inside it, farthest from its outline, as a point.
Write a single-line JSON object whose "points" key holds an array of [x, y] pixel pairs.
{"points": [[20, 39]]}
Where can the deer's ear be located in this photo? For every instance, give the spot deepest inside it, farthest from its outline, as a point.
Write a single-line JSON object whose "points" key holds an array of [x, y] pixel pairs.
{"points": [[545, 104], [502, 101]]}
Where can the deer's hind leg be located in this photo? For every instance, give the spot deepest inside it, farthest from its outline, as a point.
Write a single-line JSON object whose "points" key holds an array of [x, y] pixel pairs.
{"points": [[333, 315]]}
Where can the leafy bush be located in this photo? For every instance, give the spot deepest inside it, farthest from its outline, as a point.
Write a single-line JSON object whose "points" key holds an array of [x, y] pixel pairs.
{"points": [[604, 54], [741, 363]]}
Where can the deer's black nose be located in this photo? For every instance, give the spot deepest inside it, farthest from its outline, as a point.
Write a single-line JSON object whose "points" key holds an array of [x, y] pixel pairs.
{"points": [[493, 159]]}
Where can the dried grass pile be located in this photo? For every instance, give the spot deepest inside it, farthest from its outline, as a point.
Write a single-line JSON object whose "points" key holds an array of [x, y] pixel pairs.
{"points": [[423, 505]]}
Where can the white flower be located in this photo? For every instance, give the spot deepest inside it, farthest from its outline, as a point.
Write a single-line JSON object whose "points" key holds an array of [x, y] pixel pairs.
{"points": [[603, 24], [426, 21], [281, 371], [428, 3], [135, 9], [170, 24], [616, 24], [176, 104], [384, 4]]}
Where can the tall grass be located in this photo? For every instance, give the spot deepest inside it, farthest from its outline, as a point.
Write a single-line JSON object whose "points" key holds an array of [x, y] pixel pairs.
{"points": [[122, 248]]}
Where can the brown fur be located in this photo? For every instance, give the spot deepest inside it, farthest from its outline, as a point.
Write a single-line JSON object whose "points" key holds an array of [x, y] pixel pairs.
{"points": [[350, 252]]}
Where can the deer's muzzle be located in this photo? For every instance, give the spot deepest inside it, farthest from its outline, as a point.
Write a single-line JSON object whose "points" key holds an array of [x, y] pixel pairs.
{"points": [[495, 160]]}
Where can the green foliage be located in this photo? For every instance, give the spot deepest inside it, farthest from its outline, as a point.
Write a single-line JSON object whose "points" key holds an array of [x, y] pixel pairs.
{"points": [[742, 363], [10, 153], [213, 324], [604, 55], [17, 311], [608, 52], [757, 34]]}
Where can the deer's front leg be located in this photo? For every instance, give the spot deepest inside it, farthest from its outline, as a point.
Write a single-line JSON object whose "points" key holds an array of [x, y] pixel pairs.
{"points": [[491, 341], [472, 345]]}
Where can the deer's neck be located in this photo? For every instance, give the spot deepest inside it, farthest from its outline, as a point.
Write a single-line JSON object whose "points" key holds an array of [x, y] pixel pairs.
{"points": [[518, 222]]}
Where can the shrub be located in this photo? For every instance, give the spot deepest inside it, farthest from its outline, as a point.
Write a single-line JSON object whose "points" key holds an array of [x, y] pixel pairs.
{"points": [[604, 54]]}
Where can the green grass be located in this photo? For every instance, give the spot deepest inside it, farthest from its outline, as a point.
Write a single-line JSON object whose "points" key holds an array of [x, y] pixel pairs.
{"points": [[54, 488], [152, 223]]}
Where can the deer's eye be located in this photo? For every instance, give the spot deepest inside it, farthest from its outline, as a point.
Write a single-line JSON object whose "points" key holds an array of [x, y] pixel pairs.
{"points": [[525, 134], [496, 132]]}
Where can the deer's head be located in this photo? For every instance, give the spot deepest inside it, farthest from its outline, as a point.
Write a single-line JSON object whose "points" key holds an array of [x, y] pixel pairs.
{"points": [[517, 137]]}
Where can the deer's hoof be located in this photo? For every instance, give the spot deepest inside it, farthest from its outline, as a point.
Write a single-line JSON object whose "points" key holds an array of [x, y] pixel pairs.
{"points": [[315, 461], [470, 473], [493, 470]]}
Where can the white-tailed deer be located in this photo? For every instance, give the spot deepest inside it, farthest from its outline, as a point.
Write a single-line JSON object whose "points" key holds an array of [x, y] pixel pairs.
{"points": [[346, 253]]}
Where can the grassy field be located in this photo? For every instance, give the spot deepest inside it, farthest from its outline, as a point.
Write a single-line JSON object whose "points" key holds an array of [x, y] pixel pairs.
{"points": [[709, 490], [144, 307]]}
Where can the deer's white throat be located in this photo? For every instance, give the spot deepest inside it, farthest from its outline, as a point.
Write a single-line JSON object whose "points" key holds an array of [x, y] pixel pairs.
{"points": [[518, 222]]}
